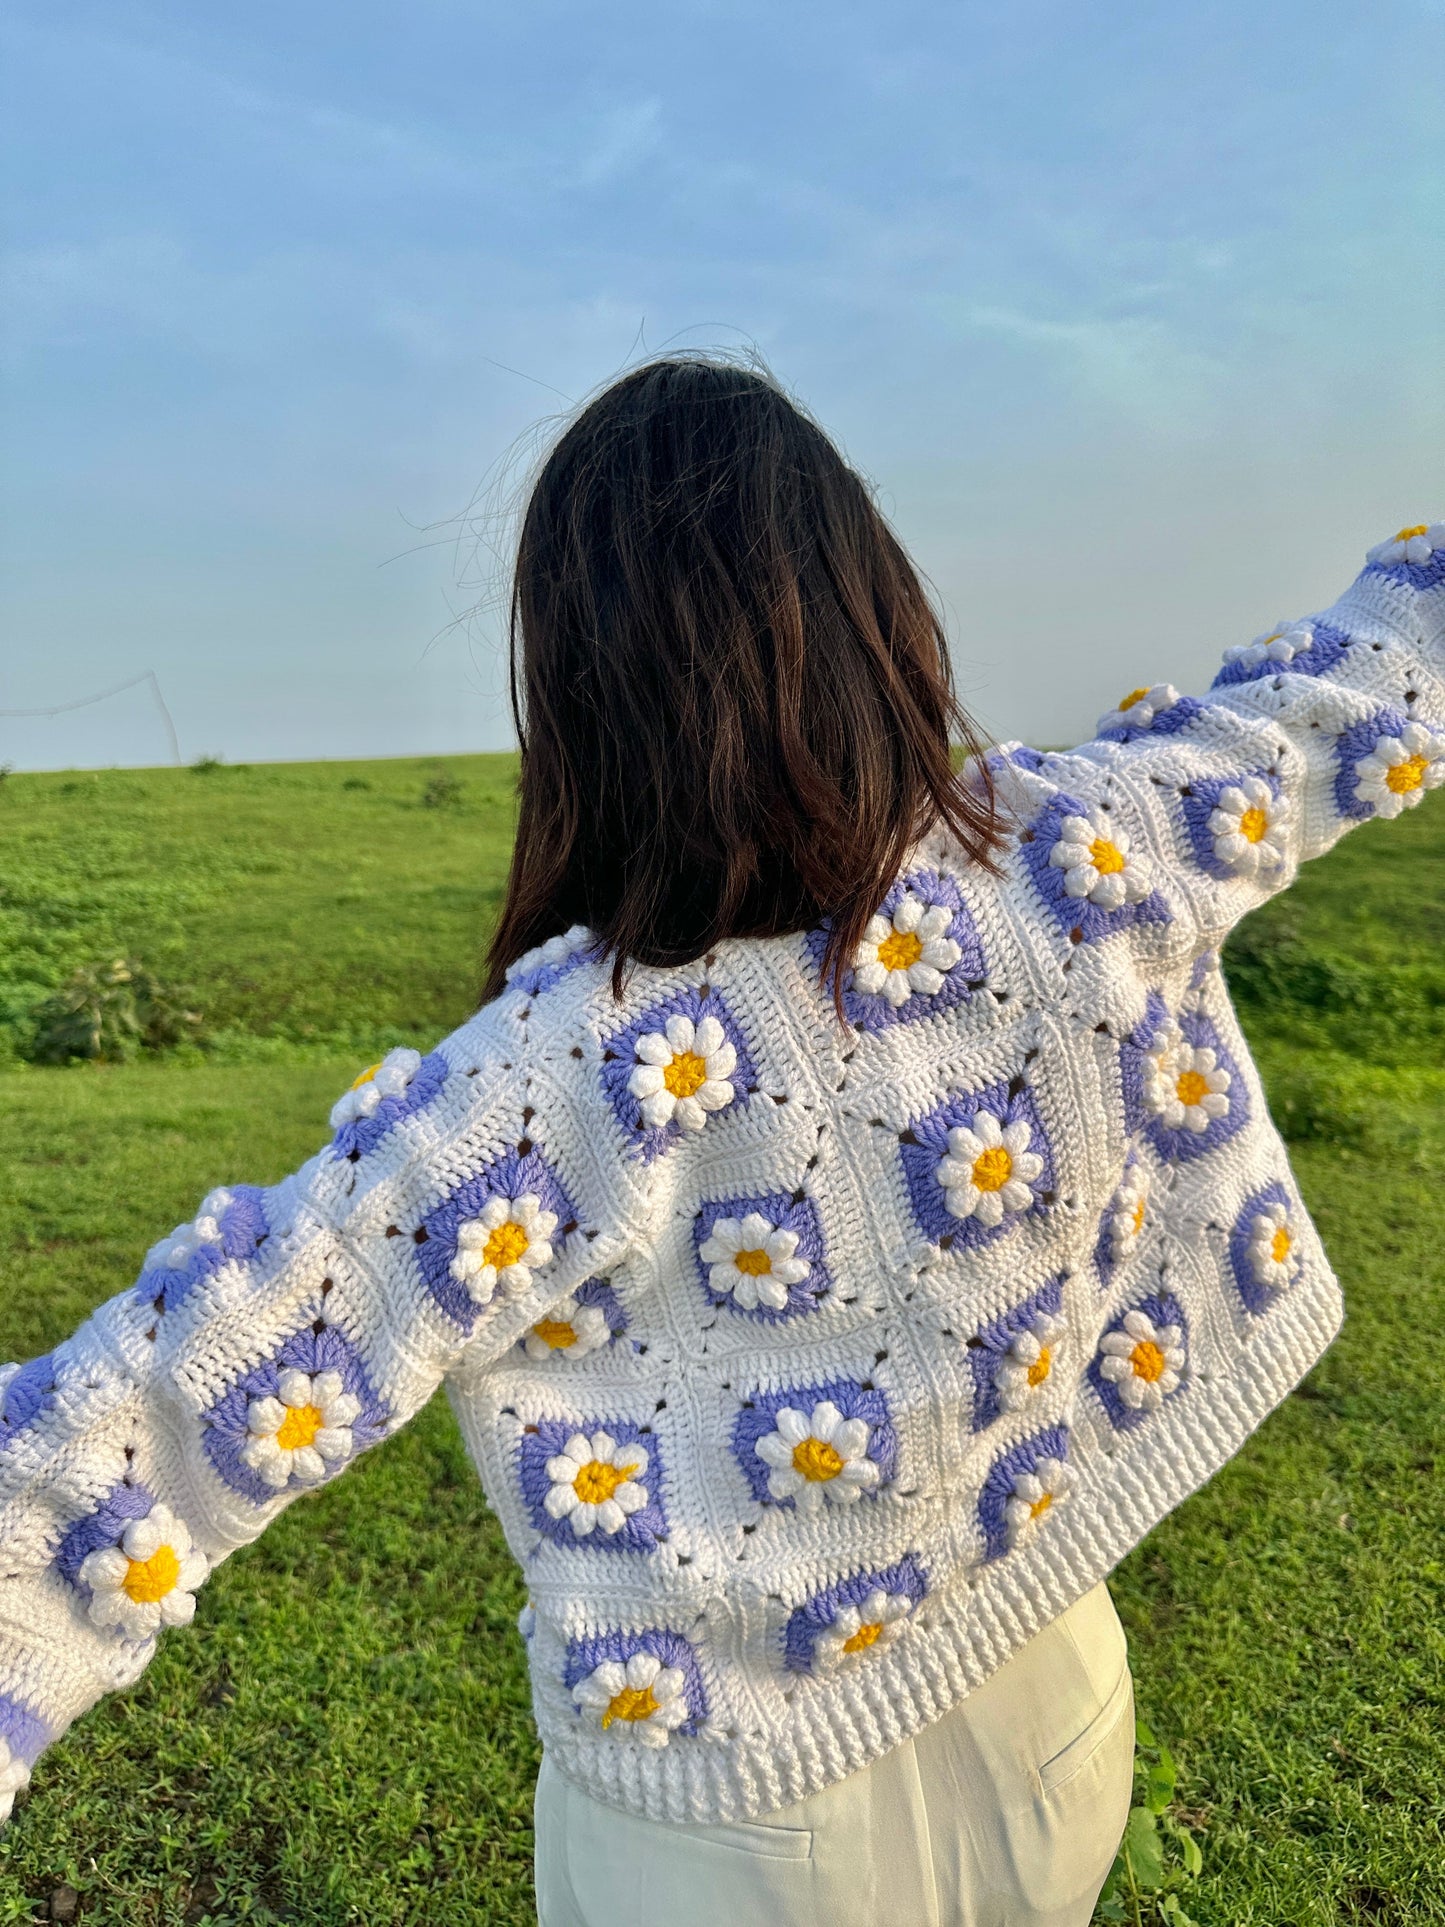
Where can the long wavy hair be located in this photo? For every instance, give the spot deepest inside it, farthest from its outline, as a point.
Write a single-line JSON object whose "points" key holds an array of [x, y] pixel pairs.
{"points": [[732, 693]]}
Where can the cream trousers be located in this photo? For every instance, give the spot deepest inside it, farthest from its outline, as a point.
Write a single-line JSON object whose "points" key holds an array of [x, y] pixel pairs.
{"points": [[1005, 1813]]}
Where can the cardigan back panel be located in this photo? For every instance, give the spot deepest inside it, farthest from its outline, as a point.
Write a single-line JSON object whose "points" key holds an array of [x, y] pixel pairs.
{"points": [[810, 1369]]}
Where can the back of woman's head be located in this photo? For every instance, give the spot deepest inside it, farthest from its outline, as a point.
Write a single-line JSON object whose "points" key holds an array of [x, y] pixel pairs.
{"points": [[732, 694]]}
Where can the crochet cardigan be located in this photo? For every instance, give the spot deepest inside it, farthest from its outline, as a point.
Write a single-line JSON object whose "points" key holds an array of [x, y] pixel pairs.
{"points": [[810, 1368]]}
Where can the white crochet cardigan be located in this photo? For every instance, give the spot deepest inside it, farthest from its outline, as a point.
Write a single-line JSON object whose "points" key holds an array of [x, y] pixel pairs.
{"points": [[810, 1370]]}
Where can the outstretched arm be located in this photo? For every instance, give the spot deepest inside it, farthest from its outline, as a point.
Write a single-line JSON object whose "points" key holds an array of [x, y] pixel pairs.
{"points": [[1183, 813], [265, 1346]]}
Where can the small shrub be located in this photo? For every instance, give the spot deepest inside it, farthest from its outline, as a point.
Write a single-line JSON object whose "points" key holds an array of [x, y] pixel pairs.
{"points": [[6, 769], [106, 1012], [356, 783], [443, 791], [204, 765]]}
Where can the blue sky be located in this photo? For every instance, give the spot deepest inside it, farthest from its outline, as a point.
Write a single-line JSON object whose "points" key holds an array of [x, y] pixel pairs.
{"points": [[1134, 315]]}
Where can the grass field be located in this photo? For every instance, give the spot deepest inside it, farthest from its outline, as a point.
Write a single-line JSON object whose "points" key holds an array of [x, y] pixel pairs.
{"points": [[345, 1737]]}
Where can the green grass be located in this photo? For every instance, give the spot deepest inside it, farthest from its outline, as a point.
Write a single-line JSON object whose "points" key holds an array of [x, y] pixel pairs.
{"points": [[345, 1737]]}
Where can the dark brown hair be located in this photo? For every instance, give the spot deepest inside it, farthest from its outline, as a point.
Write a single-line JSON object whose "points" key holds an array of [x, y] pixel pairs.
{"points": [[733, 696]]}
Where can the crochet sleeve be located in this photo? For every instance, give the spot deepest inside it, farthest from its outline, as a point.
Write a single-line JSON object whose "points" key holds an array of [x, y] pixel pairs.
{"points": [[1192, 810], [265, 1345]]}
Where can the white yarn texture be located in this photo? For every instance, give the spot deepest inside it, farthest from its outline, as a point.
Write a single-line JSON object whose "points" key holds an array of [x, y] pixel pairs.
{"points": [[810, 1369]]}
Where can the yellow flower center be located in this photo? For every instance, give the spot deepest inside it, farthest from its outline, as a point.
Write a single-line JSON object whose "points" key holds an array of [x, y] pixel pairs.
{"points": [[992, 1168], [900, 951], [1148, 1361], [555, 1332], [816, 1460], [148, 1580], [1419, 528], [1193, 1087], [1280, 1245], [1106, 857], [1253, 825], [596, 1482], [1406, 776], [1041, 1366], [867, 1635], [1134, 696], [298, 1428], [366, 1076], [632, 1703], [1041, 1505], [505, 1244], [685, 1074], [1138, 1218], [755, 1263]]}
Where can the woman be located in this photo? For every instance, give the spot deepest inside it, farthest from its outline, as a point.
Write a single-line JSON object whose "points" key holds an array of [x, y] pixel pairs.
{"points": [[851, 1221]]}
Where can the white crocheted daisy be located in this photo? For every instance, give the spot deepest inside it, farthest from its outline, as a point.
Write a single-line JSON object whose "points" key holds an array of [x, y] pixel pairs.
{"points": [[683, 1072], [906, 953], [638, 1696], [596, 1483], [1143, 1361], [1187, 1089], [1098, 862], [1127, 1211], [1416, 545], [817, 1456], [149, 1579], [570, 1330], [389, 1078], [1029, 1361], [204, 1229], [1273, 1250], [1281, 645], [500, 1249], [877, 1620], [753, 1260], [1400, 768], [1248, 826], [1138, 709], [1033, 1494], [14, 1777], [304, 1431], [990, 1170]]}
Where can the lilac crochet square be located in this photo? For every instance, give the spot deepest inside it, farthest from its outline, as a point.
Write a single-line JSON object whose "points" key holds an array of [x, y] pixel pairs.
{"points": [[1162, 1308], [103, 1526], [1327, 648], [1165, 722], [759, 1414], [360, 1137], [620, 1061], [547, 1439], [1199, 805], [1256, 1296], [998, 1487], [584, 1656], [1178, 1144], [784, 1213], [814, 1617], [1352, 746], [27, 1394], [1416, 575], [244, 1229], [24, 1732], [925, 1145], [871, 1010], [988, 1349], [1091, 920], [513, 1175], [310, 1351]]}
